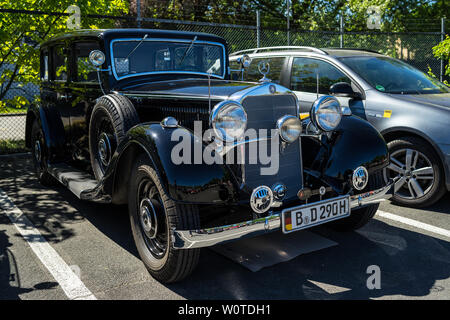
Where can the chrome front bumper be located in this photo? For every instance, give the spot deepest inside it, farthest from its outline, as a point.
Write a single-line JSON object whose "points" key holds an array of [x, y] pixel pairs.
{"points": [[189, 239]]}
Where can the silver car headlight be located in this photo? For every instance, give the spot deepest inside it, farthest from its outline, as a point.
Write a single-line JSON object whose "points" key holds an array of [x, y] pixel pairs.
{"points": [[229, 120], [326, 113], [289, 127]]}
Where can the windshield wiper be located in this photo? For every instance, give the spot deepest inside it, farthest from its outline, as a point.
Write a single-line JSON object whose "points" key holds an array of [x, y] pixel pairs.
{"points": [[137, 46], [188, 49]]}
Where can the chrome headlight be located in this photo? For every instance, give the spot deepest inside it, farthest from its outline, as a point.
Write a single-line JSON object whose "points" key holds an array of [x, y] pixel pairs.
{"points": [[289, 127], [326, 113], [229, 120]]}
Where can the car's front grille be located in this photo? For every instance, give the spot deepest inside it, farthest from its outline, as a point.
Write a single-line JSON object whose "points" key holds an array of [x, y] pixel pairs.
{"points": [[263, 113]]}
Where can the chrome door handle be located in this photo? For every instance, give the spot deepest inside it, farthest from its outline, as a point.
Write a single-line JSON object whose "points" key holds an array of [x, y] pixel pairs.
{"points": [[63, 96]]}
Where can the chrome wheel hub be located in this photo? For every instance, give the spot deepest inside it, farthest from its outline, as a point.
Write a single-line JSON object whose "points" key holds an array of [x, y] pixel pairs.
{"points": [[104, 149], [37, 151], [415, 172], [148, 218]]}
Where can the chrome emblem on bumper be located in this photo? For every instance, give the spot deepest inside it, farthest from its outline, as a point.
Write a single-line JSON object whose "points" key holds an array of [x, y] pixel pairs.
{"points": [[261, 199], [360, 178]]}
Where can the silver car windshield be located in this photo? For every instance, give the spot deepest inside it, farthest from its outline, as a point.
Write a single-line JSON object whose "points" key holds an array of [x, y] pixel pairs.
{"points": [[394, 76], [153, 56]]}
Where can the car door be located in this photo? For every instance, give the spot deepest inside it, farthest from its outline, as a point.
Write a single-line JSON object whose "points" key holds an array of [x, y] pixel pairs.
{"points": [[84, 90], [312, 78], [56, 92]]}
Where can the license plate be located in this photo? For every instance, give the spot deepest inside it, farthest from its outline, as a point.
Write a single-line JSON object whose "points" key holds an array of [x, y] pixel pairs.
{"points": [[313, 214]]}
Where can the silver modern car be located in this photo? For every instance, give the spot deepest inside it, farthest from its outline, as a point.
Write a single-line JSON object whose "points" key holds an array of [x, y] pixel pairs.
{"points": [[409, 108]]}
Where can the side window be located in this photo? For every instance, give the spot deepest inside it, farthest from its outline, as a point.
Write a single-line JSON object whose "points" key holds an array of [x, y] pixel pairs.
{"points": [[60, 63], [44, 65], [276, 64], [307, 73], [85, 71]]}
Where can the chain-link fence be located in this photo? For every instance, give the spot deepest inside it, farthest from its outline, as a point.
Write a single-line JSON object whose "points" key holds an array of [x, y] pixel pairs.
{"points": [[414, 48]]}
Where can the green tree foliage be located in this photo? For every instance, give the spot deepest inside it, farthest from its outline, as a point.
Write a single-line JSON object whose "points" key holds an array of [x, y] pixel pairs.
{"points": [[219, 11], [21, 34], [396, 15], [442, 51]]}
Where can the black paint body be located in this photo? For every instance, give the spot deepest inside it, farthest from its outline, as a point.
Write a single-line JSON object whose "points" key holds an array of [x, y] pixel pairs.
{"points": [[64, 114]]}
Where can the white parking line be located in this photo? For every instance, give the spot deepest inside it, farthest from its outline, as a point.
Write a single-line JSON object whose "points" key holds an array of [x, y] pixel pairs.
{"points": [[414, 223], [72, 286]]}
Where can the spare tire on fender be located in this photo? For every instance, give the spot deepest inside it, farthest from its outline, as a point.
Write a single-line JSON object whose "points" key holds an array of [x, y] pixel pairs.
{"points": [[111, 118]]}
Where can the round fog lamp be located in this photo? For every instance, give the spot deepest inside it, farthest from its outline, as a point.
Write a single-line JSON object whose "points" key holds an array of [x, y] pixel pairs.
{"points": [[289, 127]]}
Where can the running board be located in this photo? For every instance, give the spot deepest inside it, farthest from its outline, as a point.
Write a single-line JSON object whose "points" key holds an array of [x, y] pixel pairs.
{"points": [[80, 183]]}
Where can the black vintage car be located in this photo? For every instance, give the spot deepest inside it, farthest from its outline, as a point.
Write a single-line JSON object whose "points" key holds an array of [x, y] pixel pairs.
{"points": [[150, 118]]}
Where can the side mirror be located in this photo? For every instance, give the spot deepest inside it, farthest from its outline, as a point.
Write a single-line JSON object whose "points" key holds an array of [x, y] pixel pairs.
{"points": [[97, 58], [343, 89]]}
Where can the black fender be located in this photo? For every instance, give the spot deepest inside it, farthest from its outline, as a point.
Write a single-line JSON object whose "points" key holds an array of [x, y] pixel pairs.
{"points": [[354, 143], [185, 182], [52, 127]]}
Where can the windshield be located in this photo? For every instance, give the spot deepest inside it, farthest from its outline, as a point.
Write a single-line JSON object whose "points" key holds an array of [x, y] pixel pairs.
{"points": [[394, 76], [133, 57]]}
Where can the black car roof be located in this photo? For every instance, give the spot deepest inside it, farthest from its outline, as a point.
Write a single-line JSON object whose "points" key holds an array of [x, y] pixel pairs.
{"points": [[108, 34]]}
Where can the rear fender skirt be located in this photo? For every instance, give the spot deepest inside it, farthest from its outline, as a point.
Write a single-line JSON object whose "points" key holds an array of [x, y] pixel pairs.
{"points": [[355, 143], [185, 182], [52, 128]]}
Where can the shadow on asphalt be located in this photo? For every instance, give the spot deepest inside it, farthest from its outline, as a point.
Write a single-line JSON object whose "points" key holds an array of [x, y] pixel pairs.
{"points": [[410, 262], [10, 282]]}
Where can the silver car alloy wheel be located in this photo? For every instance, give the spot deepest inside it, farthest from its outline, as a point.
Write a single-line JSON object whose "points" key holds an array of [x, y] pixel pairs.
{"points": [[415, 172]]}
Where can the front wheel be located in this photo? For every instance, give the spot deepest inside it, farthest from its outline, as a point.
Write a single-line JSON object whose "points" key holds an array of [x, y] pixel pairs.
{"points": [[152, 216], [358, 218], [361, 216]]}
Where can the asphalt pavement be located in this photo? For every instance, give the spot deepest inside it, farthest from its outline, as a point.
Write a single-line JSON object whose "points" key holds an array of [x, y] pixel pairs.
{"points": [[94, 240]]}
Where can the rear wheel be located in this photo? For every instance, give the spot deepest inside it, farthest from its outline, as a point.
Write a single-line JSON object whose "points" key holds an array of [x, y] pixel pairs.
{"points": [[111, 118], [419, 169], [152, 216], [40, 155]]}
